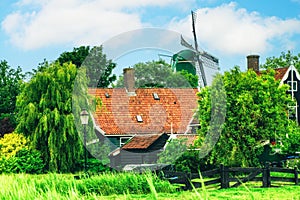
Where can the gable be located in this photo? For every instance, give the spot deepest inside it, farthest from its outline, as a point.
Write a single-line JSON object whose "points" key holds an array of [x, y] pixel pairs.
{"points": [[142, 113]]}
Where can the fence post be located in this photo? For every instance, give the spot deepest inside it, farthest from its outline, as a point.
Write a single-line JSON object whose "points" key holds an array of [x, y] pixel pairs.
{"points": [[296, 175], [224, 177], [266, 178]]}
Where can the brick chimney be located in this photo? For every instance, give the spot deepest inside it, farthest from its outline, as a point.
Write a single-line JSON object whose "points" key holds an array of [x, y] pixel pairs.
{"points": [[253, 62], [129, 80]]}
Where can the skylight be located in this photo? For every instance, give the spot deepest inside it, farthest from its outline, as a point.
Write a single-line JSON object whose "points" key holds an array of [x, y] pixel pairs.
{"points": [[139, 118], [155, 96]]}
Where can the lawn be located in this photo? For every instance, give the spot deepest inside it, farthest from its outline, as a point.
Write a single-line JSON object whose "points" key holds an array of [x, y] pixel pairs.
{"points": [[123, 186]]}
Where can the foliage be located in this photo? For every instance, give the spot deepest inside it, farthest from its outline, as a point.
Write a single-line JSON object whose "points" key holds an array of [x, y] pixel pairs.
{"points": [[256, 110], [24, 161], [94, 166], [291, 141], [191, 162], [40, 68], [77, 56], [10, 85], [60, 186], [192, 79], [182, 158], [159, 74], [17, 156], [174, 149], [284, 60], [45, 116], [99, 68], [11, 143]]}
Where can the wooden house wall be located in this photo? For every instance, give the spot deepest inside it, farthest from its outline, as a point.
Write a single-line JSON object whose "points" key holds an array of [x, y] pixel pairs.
{"points": [[140, 156], [296, 93]]}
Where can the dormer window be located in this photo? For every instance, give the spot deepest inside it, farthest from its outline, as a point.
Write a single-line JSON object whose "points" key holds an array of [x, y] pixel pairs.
{"points": [[139, 118], [155, 96], [107, 95]]}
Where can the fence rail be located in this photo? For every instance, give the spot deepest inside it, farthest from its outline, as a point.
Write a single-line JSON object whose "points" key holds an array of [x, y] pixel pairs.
{"points": [[226, 177]]}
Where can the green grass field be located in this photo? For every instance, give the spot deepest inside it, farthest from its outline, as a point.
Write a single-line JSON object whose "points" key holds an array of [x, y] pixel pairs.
{"points": [[123, 186]]}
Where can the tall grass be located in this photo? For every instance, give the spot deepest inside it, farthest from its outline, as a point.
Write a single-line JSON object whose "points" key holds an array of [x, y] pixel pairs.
{"points": [[57, 186], [123, 186]]}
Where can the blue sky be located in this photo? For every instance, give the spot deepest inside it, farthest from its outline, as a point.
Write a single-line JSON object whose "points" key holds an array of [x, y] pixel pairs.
{"points": [[34, 30]]}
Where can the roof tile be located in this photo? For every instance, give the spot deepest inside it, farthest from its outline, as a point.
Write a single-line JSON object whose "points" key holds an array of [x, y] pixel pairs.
{"points": [[174, 110], [141, 141]]}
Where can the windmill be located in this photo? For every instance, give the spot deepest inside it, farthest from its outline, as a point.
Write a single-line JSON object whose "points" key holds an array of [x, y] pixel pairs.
{"points": [[199, 63]]}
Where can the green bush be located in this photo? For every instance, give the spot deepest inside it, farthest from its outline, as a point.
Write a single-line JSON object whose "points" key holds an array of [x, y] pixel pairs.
{"points": [[94, 166], [24, 161], [11, 143]]}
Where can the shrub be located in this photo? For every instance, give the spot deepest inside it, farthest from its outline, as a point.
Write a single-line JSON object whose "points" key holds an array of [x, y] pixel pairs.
{"points": [[11, 143], [24, 161], [94, 166]]}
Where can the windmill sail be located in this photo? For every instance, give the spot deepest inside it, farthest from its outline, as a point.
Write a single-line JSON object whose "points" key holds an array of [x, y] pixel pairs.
{"points": [[184, 43], [200, 64]]}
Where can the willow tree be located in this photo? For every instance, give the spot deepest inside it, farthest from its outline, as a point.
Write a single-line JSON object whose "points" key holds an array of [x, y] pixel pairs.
{"points": [[45, 116], [256, 110]]}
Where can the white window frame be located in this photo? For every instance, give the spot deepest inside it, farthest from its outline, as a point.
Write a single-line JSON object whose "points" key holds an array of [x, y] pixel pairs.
{"points": [[292, 84], [123, 142]]}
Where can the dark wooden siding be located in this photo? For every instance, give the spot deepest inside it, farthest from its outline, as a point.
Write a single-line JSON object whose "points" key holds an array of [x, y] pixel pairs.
{"points": [[296, 93], [140, 156]]}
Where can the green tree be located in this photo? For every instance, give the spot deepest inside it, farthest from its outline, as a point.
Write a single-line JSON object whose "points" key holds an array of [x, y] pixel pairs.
{"points": [[77, 56], [174, 149], [159, 74], [99, 67], [10, 86], [256, 110], [45, 116], [284, 60]]}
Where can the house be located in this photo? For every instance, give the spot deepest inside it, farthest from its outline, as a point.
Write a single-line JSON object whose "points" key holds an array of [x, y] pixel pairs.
{"points": [[138, 122], [286, 75], [140, 149]]}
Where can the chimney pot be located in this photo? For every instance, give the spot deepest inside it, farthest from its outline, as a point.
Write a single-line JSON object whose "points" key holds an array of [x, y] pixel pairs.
{"points": [[129, 81], [253, 62]]}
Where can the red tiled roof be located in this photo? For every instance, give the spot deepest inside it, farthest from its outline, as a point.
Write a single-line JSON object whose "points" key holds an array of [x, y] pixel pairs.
{"points": [[279, 72], [174, 110], [141, 141]]}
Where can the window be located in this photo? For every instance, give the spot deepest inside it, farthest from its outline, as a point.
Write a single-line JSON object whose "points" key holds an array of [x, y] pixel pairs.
{"points": [[293, 85], [139, 118], [123, 140], [155, 96]]}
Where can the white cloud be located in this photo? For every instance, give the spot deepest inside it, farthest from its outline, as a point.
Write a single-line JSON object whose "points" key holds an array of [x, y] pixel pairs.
{"points": [[231, 30], [74, 22], [297, 1]]}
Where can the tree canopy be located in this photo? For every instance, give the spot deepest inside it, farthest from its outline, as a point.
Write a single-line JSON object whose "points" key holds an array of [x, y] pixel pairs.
{"points": [[256, 110], [99, 67], [10, 85], [284, 60], [159, 74], [45, 116]]}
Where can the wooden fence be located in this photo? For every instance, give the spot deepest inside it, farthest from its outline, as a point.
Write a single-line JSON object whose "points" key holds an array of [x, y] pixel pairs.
{"points": [[226, 177]]}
